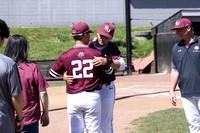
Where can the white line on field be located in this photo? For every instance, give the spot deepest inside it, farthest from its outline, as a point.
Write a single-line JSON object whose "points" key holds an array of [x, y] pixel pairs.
{"points": [[137, 86]]}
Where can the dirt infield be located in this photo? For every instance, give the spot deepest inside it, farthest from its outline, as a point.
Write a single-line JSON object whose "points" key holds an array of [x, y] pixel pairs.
{"points": [[136, 96]]}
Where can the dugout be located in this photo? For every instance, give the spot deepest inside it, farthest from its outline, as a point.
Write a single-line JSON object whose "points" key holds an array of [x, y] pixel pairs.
{"points": [[164, 38]]}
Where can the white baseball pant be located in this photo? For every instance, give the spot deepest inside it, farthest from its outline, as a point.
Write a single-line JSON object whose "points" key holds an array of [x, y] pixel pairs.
{"points": [[84, 111], [191, 107], [107, 106]]}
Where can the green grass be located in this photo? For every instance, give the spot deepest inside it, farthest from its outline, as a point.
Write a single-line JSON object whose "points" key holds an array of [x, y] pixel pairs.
{"points": [[56, 83], [49, 43], [166, 121], [46, 43]]}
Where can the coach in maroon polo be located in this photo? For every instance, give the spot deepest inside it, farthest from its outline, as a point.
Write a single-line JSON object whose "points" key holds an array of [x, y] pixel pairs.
{"points": [[83, 100]]}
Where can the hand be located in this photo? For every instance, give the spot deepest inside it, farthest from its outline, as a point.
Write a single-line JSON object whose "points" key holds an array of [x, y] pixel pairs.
{"points": [[19, 125], [99, 61], [172, 98], [44, 120], [68, 78]]}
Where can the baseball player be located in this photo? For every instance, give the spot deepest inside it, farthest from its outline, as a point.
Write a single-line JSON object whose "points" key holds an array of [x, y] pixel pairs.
{"points": [[114, 59], [83, 100], [186, 73]]}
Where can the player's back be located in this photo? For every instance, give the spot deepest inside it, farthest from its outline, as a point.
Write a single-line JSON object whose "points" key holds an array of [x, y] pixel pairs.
{"points": [[78, 62]]}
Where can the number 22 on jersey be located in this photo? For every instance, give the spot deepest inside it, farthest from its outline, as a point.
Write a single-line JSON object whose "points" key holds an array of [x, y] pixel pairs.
{"points": [[79, 67]]}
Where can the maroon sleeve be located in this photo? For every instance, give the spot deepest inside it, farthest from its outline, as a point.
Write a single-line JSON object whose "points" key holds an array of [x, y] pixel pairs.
{"points": [[39, 79], [57, 68]]}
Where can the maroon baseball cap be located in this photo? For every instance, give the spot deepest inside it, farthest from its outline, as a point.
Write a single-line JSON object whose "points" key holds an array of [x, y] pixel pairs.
{"points": [[182, 23], [107, 29], [80, 28]]}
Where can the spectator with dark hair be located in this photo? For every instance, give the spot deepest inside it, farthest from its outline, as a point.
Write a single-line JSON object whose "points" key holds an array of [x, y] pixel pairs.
{"points": [[10, 90], [33, 83]]}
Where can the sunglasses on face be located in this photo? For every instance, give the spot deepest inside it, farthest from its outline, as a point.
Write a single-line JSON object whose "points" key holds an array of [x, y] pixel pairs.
{"points": [[102, 36], [179, 29]]}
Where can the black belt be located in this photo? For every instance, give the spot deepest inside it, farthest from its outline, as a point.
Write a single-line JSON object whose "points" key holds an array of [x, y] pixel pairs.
{"points": [[89, 90]]}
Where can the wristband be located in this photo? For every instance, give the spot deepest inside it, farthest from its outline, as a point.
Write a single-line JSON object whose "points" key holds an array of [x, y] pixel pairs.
{"points": [[20, 119], [109, 61], [171, 91]]}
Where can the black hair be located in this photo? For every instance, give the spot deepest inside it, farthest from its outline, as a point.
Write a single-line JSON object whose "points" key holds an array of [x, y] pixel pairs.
{"points": [[17, 48], [4, 30]]}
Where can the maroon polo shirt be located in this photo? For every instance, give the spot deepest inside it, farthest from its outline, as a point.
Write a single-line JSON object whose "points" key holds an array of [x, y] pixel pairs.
{"points": [[33, 82]]}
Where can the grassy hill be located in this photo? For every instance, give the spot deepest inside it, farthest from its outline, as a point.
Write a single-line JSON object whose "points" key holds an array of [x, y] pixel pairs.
{"points": [[49, 43]]}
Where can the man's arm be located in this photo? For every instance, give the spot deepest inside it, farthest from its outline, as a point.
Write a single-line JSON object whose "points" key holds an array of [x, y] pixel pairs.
{"points": [[174, 80], [17, 102], [116, 64], [44, 121]]}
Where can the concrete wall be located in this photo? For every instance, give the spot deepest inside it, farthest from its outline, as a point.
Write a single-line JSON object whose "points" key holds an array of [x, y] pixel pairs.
{"points": [[152, 12], [62, 13]]}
